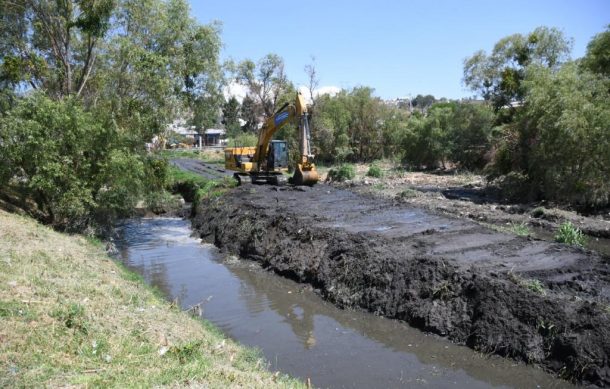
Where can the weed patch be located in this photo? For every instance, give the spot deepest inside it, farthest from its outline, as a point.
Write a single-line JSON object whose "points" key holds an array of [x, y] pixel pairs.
{"points": [[343, 173], [520, 229], [568, 233], [375, 171]]}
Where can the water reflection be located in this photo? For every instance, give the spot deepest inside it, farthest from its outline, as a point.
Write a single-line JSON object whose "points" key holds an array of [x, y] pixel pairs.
{"points": [[299, 333]]}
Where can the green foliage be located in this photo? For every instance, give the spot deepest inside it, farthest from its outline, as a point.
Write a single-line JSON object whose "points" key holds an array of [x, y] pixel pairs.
{"points": [[470, 135], [597, 59], [52, 45], [568, 233], [230, 116], [375, 171], [498, 77], [567, 116], [556, 143], [347, 127], [266, 81], [342, 173], [426, 143], [538, 212], [535, 286], [243, 139], [74, 168], [76, 151]]}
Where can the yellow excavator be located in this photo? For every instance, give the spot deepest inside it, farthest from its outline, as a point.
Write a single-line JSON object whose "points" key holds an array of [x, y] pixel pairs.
{"points": [[268, 160]]}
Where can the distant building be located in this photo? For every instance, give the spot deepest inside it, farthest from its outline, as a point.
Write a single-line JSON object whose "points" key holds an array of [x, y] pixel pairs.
{"points": [[214, 137]]}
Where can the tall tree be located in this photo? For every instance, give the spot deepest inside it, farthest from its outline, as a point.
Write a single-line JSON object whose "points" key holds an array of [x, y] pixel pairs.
{"points": [[230, 116], [160, 64], [498, 77], [51, 44], [597, 58], [250, 112], [265, 80], [313, 81]]}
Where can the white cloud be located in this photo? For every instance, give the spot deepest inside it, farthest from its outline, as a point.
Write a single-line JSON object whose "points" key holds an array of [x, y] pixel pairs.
{"points": [[324, 90], [235, 89], [240, 91]]}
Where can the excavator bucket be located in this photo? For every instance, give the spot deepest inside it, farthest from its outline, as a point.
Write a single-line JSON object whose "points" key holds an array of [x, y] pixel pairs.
{"points": [[305, 176]]}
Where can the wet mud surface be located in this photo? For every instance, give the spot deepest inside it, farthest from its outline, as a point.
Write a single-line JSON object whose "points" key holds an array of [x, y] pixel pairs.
{"points": [[531, 300]]}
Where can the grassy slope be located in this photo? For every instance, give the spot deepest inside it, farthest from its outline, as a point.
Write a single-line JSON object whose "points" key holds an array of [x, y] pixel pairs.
{"points": [[69, 315]]}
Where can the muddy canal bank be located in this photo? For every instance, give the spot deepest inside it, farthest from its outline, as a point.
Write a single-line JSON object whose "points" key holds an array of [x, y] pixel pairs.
{"points": [[298, 332], [530, 300]]}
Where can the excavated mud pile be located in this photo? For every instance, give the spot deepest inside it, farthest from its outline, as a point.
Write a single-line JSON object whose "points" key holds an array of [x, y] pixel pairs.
{"points": [[530, 300]]}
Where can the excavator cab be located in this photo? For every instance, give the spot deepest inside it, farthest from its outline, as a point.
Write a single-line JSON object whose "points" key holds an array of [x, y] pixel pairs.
{"points": [[277, 158]]}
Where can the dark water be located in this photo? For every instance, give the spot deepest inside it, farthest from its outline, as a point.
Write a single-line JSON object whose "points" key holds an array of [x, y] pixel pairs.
{"points": [[299, 333]]}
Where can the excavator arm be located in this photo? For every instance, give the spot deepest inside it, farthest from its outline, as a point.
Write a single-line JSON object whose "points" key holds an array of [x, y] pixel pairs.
{"points": [[305, 172], [265, 163]]}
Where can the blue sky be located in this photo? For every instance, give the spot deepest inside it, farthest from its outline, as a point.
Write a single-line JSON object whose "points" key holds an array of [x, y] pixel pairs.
{"points": [[400, 48]]}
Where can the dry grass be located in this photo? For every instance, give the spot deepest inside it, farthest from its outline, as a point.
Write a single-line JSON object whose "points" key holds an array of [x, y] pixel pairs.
{"points": [[70, 316]]}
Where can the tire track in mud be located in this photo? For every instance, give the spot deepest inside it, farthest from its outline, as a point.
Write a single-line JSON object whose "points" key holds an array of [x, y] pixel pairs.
{"points": [[531, 300]]}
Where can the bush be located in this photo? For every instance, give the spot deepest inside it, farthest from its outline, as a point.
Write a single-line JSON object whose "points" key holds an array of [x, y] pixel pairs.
{"points": [[570, 234], [77, 171], [375, 171], [343, 173]]}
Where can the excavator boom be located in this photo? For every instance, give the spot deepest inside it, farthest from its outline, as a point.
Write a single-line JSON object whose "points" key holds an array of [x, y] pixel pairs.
{"points": [[263, 162]]}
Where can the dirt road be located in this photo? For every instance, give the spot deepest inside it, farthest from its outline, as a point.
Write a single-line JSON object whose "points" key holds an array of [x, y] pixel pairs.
{"points": [[531, 300]]}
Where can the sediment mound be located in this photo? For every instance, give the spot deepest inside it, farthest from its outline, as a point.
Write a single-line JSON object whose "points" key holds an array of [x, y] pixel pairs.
{"points": [[530, 300]]}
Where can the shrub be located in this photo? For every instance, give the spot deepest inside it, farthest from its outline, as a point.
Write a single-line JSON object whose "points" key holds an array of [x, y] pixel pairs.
{"points": [[343, 173], [78, 171], [375, 171], [568, 233]]}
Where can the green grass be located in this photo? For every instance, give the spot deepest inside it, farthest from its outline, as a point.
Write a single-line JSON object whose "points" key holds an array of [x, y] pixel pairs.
{"points": [[520, 229], [568, 233], [209, 156], [71, 316]]}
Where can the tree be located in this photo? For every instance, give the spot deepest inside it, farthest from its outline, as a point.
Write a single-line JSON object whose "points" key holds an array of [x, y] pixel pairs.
{"points": [[250, 112], [498, 77], [470, 130], [73, 168], [108, 75], [159, 65], [423, 102], [265, 80], [51, 44], [597, 58], [568, 113], [312, 79], [230, 116], [426, 143]]}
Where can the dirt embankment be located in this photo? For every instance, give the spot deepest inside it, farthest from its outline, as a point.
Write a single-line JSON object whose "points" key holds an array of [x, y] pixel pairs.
{"points": [[470, 196], [531, 300]]}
